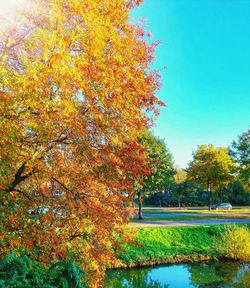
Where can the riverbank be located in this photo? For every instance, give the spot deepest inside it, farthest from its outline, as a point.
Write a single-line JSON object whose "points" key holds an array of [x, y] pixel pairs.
{"points": [[163, 245]]}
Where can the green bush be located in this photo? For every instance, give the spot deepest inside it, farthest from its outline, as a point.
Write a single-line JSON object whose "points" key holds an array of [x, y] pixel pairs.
{"points": [[21, 271]]}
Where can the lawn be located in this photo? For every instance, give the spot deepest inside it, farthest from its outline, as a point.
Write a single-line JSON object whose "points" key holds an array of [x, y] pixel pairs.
{"points": [[171, 244]]}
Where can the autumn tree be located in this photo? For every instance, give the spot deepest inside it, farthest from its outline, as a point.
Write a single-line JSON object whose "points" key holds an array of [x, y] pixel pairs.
{"points": [[76, 90], [240, 150], [180, 178], [180, 175], [212, 167], [160, 165]]}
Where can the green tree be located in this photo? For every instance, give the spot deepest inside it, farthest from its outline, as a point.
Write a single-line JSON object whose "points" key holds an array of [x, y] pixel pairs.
{"points": [[238, 194], [161, 165], [211, 167], [188, 193], [240, 150]]}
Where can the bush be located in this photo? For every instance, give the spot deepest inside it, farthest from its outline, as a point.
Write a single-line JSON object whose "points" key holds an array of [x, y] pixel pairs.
{"points": [[21, 271], [235, 243]]}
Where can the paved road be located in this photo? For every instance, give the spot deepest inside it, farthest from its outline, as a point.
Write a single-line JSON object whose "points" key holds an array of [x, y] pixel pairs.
{"points": [[172, 214], [198, 214], [148, 223]]}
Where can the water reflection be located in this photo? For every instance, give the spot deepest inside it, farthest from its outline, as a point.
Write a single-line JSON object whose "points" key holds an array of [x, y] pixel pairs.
{"points": [[201, 275], [220, 275], [133, 278]]}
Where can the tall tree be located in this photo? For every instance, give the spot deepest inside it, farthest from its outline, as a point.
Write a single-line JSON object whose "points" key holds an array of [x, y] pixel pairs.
{"points": [[240, 150], [160, 165], [212, 167], [75, 84]]}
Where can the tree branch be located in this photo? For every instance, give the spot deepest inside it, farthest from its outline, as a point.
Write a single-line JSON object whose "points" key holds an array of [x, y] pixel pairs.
{"points": [[19, 178], [25, 194]]}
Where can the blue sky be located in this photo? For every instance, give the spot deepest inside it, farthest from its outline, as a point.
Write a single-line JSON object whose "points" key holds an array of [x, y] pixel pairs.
{"points": [[206, 48]]}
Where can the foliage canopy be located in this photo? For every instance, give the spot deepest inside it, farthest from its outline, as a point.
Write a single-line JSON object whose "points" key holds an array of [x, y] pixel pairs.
{"points": [[240, 150], [211, 166], [76, 90], [160, 164]]}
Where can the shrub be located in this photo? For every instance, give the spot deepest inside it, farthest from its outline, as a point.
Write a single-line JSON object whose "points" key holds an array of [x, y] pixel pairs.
{"points": [[21, 271], [235, 243]]}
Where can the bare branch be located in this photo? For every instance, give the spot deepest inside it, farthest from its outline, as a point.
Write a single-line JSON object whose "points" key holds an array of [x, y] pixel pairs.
{"points": [[23, 193]]}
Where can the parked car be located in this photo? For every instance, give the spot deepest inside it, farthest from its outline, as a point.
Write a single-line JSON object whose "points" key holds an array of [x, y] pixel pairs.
{"points": [[222, 206], [38, 210]]}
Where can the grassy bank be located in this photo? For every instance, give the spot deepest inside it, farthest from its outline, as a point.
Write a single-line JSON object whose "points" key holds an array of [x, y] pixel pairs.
{"points": [[157, 245]]}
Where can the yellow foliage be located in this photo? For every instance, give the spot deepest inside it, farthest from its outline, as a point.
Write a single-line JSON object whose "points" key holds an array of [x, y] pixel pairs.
{"points": [[76, 84], [236, 243]]}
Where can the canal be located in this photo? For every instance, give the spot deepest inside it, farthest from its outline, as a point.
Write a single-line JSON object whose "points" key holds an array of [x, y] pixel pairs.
{"points": [[195, 275]]}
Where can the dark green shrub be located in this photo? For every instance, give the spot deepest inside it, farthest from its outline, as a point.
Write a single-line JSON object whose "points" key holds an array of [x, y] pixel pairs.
{"points": [[20, 271]]}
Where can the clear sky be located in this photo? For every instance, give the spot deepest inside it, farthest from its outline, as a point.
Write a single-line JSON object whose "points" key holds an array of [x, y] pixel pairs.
{"points": [[206, 48]]}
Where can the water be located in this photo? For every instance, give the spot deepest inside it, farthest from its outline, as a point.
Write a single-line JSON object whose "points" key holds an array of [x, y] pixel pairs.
{"points": [[198, 275]]}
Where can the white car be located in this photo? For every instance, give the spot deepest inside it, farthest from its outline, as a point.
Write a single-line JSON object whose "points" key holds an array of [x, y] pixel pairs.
{"points": [[222, 206], [38, 210]]}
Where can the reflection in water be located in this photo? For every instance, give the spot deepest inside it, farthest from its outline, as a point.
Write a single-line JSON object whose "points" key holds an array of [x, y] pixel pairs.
{"points": [[198, 275], [132, 278], [217, 275]]}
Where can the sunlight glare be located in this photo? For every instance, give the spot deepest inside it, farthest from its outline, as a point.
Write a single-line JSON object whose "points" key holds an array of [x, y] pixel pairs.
{"points": [[10, 9]]}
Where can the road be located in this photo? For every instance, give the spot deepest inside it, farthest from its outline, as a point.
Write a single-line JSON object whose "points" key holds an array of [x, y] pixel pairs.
{"points": [[202, 214], [163, 223]]}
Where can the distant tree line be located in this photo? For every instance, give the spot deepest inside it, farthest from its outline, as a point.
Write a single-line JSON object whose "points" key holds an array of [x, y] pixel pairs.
{"points": [[213, 175]]}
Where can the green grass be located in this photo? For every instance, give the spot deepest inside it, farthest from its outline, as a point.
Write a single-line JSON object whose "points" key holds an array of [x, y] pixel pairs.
{"points": [[156, 245]]}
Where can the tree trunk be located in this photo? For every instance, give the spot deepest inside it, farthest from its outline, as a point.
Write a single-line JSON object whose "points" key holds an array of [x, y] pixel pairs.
{"points": [[209, 194], [210, 199], [221, 193], [140, 206]]}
